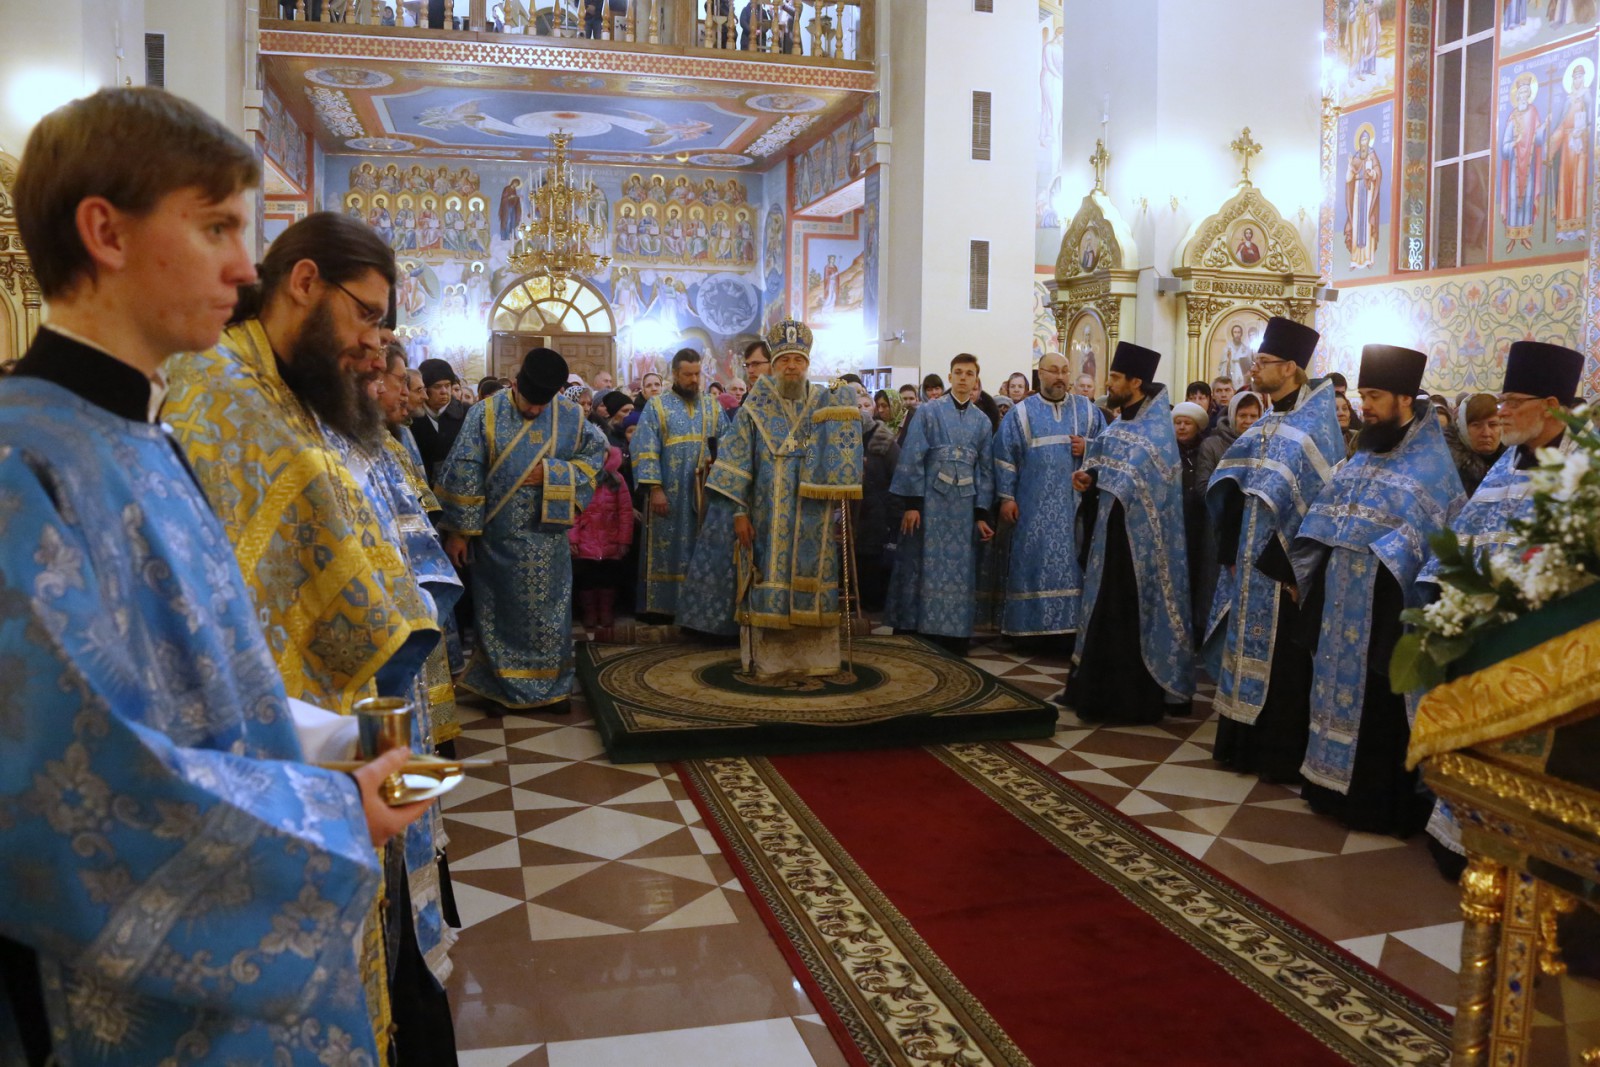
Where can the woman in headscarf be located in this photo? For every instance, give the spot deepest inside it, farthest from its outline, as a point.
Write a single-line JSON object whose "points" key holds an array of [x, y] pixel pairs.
{"points": [[1475, 440], [892, 412]]}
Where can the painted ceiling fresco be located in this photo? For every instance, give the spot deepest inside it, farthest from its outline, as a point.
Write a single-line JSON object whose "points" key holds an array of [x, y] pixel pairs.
{"points": [[433, 109]]}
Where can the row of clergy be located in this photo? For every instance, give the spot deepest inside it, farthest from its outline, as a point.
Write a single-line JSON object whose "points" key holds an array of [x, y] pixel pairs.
{"points": [[1316, 554]]}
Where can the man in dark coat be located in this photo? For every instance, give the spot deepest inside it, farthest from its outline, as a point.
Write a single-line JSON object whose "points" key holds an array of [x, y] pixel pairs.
{"points": [[436, 428]]}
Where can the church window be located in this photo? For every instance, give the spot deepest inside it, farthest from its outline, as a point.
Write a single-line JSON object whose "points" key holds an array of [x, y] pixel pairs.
{"points": [[978, 276], [1463, 115], [980, 123]]}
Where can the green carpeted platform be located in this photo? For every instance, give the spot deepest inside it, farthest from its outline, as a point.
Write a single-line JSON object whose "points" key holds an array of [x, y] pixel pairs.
{"points": [[659, 703]]}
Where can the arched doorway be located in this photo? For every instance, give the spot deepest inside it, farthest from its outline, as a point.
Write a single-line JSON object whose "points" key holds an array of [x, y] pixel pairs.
{"points": [[577, 323]]}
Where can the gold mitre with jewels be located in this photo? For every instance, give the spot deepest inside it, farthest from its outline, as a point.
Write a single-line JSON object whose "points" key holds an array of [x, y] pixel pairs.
{"points": [[790, 335]]}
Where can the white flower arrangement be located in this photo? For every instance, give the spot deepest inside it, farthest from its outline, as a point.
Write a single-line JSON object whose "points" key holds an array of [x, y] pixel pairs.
{"points": [[1480, 592]]}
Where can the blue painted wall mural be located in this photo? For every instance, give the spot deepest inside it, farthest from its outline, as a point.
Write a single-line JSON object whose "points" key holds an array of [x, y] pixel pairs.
{"points": [[700, 274]]}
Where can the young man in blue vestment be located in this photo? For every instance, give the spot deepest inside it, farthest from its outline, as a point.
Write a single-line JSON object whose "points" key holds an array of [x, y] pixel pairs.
{"points": [[180, 887], [522, 468], [1356, 560], [946, 478], [1039, 448], [672, 451], [1257, 498], [1134, 662]]}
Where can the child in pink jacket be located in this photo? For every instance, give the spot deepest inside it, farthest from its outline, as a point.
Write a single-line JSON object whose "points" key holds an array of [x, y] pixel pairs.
{"points": [[599, 541]]}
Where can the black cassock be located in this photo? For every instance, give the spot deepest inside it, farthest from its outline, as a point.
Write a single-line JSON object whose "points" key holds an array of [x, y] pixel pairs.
{"points": [[1110, 683], [1274, 746], [1383, 796]]}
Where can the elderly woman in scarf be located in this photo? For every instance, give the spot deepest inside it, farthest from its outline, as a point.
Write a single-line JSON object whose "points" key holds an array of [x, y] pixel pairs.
{"points": [[1475, 444]]}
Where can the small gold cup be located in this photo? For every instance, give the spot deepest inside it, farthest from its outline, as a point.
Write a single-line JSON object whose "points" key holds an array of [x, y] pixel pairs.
{"points": [[384, 723]]}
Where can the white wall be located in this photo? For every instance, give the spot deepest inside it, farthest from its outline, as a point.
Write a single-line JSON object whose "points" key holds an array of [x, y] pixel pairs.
{"points": [[939, 198], [205, 53], [60, 50], [1178, 80]]}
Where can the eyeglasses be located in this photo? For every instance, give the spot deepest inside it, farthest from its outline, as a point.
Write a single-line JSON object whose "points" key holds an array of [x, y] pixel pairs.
{"points": [[756, 363], [1515, 401], [1268, 361], [370, 316]]}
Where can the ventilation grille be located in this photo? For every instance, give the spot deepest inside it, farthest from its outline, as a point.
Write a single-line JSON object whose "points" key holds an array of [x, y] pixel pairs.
{"points": [[155, 60], [978, 276], [983, 7], [980, 124]]}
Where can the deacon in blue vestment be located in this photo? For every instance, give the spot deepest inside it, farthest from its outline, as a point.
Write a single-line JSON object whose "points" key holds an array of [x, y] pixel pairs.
{"points": [[1038, 450], [793, 454], [1134, 660], [1258, 496], [705, 604], [672, 450], [946, 477], [178, 886], [1356, 560], [522, 467], [1540, 380]]}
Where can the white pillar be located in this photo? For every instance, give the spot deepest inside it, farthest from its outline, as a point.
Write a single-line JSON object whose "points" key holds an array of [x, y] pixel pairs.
{"points": [[937, 198]]}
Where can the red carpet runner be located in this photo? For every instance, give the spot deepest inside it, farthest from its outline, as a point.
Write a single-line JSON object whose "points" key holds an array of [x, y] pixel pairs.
{"points": [[962, 905]]}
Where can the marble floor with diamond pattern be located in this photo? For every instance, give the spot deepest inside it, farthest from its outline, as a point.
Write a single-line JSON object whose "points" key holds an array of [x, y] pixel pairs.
{"points": [[602, 926]]}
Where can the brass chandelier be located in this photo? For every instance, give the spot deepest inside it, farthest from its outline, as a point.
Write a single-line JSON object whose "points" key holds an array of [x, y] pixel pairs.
{"points": [[556, 240]]}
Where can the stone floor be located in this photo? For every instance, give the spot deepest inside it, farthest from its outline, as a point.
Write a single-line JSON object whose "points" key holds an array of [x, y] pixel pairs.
{"points": [[602, 925]]}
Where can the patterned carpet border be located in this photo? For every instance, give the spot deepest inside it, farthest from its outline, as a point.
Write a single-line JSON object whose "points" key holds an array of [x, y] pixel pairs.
{"points": [[893, 1003], [666, 702], [1342, 1002]]}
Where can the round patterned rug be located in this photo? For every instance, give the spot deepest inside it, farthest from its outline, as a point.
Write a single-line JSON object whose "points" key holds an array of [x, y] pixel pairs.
{"points": [[669, 701]]}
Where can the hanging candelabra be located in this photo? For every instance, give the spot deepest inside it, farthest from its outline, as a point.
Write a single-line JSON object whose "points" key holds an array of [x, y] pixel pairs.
{"points": [[557, 239]]}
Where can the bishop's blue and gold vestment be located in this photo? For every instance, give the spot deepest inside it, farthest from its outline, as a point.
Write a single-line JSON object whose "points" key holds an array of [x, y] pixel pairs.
{"points": [[946, 471], [1033, 465], [785, 464], [194, 893], [672, 449], [521, 565]]}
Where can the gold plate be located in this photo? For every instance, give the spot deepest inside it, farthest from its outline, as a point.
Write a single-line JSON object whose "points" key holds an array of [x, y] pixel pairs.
{"points": [[419, 787]]}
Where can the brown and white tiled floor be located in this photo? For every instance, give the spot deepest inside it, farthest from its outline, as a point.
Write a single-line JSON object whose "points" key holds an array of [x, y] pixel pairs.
{"points": [[602, 926]]}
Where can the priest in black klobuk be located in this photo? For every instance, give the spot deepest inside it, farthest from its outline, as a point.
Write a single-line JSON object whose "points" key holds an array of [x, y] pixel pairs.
{"points": [[1257, 498], [1134, 660], [1356, 561]]}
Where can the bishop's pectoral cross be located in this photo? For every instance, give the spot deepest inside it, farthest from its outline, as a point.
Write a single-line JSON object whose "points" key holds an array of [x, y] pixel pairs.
{"points": [[1246, 147], [1098, 161]]}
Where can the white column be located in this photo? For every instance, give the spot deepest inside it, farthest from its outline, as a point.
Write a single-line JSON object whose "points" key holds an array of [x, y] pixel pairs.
{"points": [[938, 199]]}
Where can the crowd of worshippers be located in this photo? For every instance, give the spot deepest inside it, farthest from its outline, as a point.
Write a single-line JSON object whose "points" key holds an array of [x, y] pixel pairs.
{"points": [[232, 512], [1266, 538]]}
